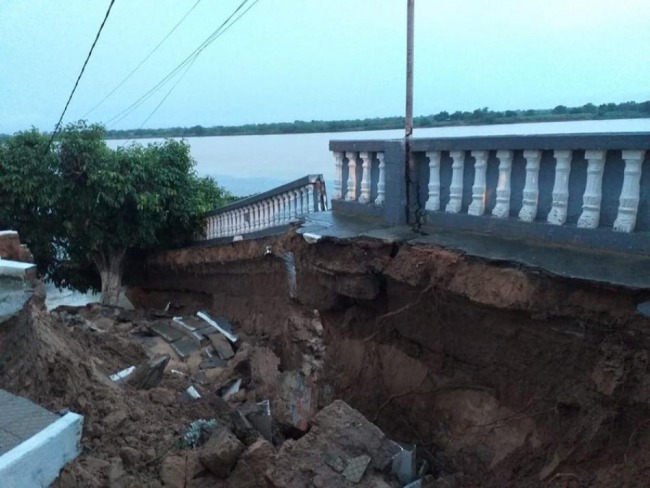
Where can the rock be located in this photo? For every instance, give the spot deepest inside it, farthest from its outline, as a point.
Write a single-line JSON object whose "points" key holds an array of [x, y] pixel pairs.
{"points": [[221, 452], [116, 473], [130, 456], [149, 374], [162, 396], [178, 470], [295, 403], [222, 346], [250, 469], [339, 431], [114, 419]]}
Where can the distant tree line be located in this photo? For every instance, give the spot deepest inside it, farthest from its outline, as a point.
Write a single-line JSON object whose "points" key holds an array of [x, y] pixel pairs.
{"points": [[589, 111]]}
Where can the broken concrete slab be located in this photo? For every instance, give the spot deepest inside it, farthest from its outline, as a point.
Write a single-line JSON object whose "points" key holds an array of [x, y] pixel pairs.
{"points": [[185, 347], [166, 331], [149, 374], [221, 346], [259, 415], [212, 362], [222, 324], [123, 374], [403, 464]]}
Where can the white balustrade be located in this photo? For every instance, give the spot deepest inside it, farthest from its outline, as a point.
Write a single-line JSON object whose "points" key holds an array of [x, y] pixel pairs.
{"points": [[593, 195], [477, 207], [366, 159], [456, 187], [629, 202]]}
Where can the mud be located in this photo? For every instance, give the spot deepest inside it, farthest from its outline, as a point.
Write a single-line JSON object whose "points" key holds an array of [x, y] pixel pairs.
{"points": [[502, 376]]}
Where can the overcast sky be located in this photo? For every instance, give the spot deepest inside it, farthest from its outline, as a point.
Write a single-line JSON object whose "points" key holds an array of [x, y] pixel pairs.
{"points": [[317, 59]]}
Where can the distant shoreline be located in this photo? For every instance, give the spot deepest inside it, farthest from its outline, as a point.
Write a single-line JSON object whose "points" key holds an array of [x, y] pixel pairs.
{"points": [[483, 116]]}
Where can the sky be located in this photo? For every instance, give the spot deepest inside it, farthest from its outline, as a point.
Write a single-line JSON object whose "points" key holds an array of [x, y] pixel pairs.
{"points": [[287, 60]]}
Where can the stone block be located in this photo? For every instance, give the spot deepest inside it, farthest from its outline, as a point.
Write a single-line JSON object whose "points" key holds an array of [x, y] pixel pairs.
{"points": [[220, 454]]}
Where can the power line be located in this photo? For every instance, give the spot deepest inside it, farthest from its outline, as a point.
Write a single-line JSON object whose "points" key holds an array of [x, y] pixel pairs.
{"points": [[127, 77], [191, 63], [58, 124], [215, 34]]}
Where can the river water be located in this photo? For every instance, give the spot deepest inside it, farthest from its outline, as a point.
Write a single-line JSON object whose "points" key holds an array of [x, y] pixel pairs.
{"points": [[251, 164]]}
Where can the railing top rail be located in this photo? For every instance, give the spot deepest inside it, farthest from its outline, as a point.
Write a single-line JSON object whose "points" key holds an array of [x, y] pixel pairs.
{"points": [[299, 183], [601, 140]]}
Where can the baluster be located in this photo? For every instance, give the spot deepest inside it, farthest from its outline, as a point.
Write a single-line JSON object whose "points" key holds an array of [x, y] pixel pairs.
{"points": [[477, 207], [310, 200], [269, 212], [629, 201], [456, 187], [283, 208], [226, 227], [381, 182], [305, 199], [590, 217], [366, 157], [252, 218], [230, 223], [528, 211], [258, 216], [235, 227], [208, 229], [351, 194], [558, 213], [217, 226], [502, 208], [276, 210], [338, 176], [433, 203]]}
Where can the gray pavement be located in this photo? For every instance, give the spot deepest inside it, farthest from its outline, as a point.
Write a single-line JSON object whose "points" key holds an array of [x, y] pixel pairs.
{"points": [[20, 419], [620, 269]]}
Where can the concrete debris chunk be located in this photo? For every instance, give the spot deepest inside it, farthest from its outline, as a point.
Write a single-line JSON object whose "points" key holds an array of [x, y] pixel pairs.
{"points": [[122, 375], [403, 466], [260, 416], [184, 347], [212, 362], [149, 374], [230, 389], [221, 324], [221, 346], [166, 331], [242, 428], [192, 393], [356, 468], [221, 452]]}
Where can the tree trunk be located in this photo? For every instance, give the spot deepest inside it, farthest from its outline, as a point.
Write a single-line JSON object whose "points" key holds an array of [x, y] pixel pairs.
{"points": [[110, 272]]}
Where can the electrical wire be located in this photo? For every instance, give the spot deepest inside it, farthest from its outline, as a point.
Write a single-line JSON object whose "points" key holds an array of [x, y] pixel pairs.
{"points": [[191, 63], [215, 34], [57, 127], [127, 77]]}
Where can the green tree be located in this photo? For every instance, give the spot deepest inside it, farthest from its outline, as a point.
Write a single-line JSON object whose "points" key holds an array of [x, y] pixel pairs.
{"points": [[103, 203]]}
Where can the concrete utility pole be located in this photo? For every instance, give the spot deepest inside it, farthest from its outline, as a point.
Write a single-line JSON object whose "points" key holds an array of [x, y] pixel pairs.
{"points": [[412, 214], [409, 68]]}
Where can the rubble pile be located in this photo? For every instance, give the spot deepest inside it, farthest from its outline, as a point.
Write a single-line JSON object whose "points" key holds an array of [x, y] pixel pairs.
{"points": [[188, 402]]}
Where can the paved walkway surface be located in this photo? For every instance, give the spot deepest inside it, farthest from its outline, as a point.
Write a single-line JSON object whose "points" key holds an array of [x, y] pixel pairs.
{"points": [[627, 270], [20, 419]]}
